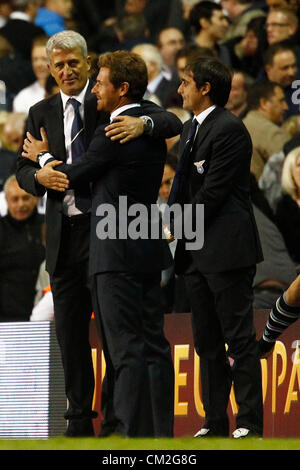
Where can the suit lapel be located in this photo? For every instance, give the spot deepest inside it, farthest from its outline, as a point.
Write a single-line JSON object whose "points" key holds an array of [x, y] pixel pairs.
{"points": [[90, 115], [56, 115], [204, 128]]}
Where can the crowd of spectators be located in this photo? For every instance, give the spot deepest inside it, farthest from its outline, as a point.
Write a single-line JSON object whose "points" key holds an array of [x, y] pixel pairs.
{"points": [[257, 39]]}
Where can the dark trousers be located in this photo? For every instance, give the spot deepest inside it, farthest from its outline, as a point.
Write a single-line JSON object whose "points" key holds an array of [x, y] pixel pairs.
{"points": [[222, 312], [132, 319], [73, 308]]}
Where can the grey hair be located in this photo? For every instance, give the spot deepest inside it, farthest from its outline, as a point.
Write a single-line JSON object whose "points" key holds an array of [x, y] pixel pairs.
{"points": [[11, 179], [66, 40], [287, 180]]}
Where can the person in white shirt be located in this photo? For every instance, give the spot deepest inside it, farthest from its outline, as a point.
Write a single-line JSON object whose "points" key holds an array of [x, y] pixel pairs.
{"points": [[35, 92]]}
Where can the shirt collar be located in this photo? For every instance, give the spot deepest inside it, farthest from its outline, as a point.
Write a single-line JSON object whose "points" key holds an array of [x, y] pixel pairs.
{"points": [[19, 15], [120, 110], [154, 83], [203, 115], [79, 97]]}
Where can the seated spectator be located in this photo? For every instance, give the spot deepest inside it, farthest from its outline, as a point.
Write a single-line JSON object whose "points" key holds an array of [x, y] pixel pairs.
{"points": [[240, 12], [22, 253], [132, 30], [20, 30], [36, 91], [246, 53], [210, 25], [8, 146], [270, 179], [169, 42], [277, 270], [281, 66], [53, 15], [266, 105], [237, 101], [5, 11], [288, 208], [159, 88], [281, 24]]}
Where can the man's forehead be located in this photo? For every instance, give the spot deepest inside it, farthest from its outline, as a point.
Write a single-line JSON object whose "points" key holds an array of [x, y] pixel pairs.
{"points": [[282, 58]]}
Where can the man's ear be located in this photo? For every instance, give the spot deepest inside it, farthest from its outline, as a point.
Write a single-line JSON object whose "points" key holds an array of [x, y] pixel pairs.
{"points": [[124, 88], [204, 23], [89, 62], [205, 88]]}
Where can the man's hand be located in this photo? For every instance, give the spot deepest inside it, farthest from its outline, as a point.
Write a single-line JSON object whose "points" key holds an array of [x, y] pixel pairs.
{"points": [[125, 128], [32, 146], [51, 178]]}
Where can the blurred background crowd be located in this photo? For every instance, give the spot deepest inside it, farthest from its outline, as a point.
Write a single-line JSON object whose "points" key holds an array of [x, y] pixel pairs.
{"points": [[257, 39]]}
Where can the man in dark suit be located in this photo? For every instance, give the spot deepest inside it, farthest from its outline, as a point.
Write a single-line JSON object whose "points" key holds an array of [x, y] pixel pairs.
{"points": [[127, 269], [68, 213], [214, 171]]}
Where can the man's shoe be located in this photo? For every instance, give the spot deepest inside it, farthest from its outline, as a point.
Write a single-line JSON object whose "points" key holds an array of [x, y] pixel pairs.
{"points": [[241, 433], [204, 432], [80, 428]]}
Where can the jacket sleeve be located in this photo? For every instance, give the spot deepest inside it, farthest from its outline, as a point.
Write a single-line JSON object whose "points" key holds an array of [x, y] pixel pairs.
{"points": [[166, 124], [26, 168]]}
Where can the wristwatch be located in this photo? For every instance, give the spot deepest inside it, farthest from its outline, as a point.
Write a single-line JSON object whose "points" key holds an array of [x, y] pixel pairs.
{"points": [[39, 155], [148, 124]]}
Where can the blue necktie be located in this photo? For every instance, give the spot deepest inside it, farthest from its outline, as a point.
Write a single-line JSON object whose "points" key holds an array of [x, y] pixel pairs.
{"points": [[82, 194], [177, 194]]}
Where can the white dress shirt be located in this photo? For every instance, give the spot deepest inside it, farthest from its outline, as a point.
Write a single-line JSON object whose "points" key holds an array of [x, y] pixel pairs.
{"points": [[69, 208]]}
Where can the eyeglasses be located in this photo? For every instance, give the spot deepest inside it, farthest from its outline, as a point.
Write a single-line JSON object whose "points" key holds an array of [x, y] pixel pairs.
{"points": [[276, 25]]}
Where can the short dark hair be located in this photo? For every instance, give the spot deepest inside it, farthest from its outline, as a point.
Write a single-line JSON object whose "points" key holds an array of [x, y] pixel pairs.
{"points": [[192, 51], [203, 9], [262, 89], [126, 66], [286, 45], [213, 71]]}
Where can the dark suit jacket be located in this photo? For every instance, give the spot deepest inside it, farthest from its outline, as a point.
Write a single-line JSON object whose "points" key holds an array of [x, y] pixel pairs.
{"points": [[133, 170], [230, 234], [49, 114]]}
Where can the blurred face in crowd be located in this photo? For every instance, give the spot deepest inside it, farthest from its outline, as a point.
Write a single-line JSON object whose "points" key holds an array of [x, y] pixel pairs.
{"points": [[20, 204], [273, 4], [279, 27], [39, 62], [135, 7], [296, 172], [70, 70], [62, 7], [284, 68], [218, 24], [166, 182], [171, 40], [276, 106], [238, 95]]}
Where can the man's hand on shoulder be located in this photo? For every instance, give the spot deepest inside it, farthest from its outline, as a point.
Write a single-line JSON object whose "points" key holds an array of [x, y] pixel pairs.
{"points": [[125, 128], [51, 178]]}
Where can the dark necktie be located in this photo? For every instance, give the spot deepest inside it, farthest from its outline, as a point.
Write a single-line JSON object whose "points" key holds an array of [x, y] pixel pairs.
{"points": [[82, 194], [177, 194]]}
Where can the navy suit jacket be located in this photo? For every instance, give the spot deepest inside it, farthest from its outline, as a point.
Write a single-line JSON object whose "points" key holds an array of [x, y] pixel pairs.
{"points": [[231, 238], [133, 170]]}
